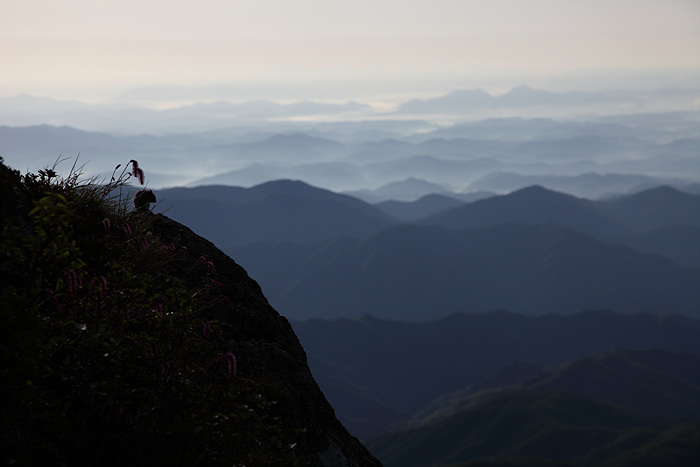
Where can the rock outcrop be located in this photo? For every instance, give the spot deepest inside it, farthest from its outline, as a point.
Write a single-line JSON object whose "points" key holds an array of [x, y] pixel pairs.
{"points": [[66, 401], [265, 344]]}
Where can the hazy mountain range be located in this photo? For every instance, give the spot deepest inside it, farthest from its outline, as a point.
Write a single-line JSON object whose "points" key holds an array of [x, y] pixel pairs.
{"points": [[489, 143], [24, 110], [392, 236], [533, 250], [457, 165], [526, 97]]}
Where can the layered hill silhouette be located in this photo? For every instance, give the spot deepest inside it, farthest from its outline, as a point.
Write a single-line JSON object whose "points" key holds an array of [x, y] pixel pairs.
{"points": [[550, 426], [522, 96], [322, 254], [655, 208], [381, 374], [679, 243], [361, 155], [653, 382], [532, 205], [415, 272], [660, 220], [592, 411], [642, 211], [588, 185], [422, 207], [427, 205], [616, 220], [280, 210]]}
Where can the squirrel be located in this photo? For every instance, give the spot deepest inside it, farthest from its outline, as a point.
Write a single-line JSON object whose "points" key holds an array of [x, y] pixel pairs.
{"points": [[143, 200]]}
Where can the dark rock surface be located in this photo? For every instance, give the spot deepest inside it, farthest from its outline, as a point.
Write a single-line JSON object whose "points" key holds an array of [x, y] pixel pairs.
{"points": [[265, 346]]}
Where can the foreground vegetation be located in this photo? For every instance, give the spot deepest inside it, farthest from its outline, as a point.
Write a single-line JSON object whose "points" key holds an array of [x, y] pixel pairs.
{"points": [[108, 355]]}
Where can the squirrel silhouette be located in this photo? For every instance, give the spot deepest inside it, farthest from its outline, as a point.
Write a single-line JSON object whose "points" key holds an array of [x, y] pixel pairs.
{"points": [[143, 200]]}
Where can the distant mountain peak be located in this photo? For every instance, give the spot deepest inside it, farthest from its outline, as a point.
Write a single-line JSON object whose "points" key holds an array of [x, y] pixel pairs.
{"points": [[284, 183], [412, 181], [658, 194], [664, 190], [539, 191]]}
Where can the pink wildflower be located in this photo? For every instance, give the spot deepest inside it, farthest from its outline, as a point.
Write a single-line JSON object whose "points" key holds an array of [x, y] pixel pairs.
{"points": [[232, 366], [169, 248], [103, 284], [138, 173], [210, 264], [107, 225], [213, 284], [73, 280]]}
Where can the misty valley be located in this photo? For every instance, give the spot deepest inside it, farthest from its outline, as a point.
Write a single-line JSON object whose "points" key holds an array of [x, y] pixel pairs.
{"points": [[476, 280], [588, 144]]}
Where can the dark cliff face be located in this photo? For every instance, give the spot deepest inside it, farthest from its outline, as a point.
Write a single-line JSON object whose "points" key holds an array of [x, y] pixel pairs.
{"points": [[84, 320], [266, 346]]}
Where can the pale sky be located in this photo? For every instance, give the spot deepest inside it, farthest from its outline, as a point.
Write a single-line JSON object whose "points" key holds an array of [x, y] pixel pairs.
{"points": [[98, 49]]}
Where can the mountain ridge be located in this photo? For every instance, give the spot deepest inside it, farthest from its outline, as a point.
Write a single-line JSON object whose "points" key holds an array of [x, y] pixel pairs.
{"points": [[553, 426], [367, 366], [653, 382], [531, 205], [532, 269], [293, 210]]}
